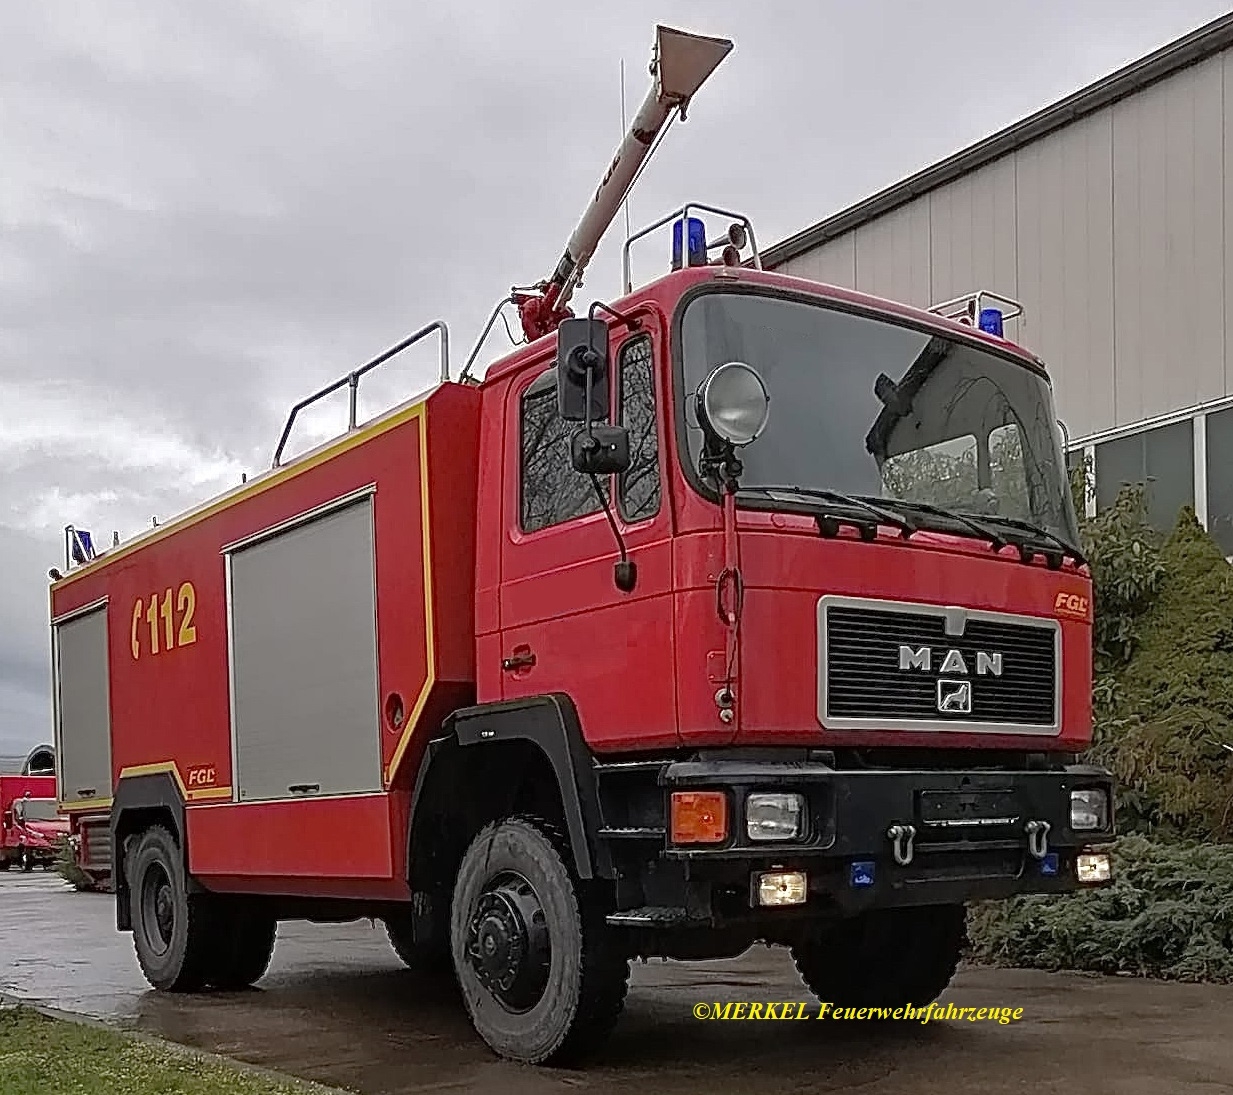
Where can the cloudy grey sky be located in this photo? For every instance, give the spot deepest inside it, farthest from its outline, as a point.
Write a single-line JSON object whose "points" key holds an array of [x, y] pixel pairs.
{"points": [[207, 210]]}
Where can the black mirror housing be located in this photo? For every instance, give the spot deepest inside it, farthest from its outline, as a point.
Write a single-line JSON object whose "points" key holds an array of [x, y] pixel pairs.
{"points": [[603, 451], [582, 345]]}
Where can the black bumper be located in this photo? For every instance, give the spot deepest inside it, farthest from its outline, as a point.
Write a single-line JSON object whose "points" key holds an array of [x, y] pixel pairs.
{"points": [[876, 838]]}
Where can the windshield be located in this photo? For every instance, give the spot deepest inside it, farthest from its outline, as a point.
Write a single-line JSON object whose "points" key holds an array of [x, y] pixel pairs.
{"points": [[868, 407], [37, 809]]}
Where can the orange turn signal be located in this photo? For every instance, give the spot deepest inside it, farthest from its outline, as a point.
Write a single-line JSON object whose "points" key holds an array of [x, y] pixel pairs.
{"points": [[699, 817]]}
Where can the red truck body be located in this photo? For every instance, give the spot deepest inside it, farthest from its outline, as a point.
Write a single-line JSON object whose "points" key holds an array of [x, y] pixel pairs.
{"points": [[448, 614], [546, 689], [29, 838]]}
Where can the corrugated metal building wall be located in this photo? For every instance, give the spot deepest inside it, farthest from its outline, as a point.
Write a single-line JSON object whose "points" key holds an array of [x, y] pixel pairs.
{"points": [[1110, 217]]}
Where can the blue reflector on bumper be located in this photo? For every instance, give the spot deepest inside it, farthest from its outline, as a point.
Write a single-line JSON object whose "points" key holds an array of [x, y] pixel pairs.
{"points": [[862, 873]]}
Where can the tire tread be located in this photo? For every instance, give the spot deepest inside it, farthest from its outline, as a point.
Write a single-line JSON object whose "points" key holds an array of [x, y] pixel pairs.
{"points": [[201, 926], [604, 968], [857, 968]]}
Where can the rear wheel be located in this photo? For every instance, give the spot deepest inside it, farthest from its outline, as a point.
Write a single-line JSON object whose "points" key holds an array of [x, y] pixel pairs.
{"points": [[173, 931], [540, 974], [421, 941], [886, 958], [245, 947]]}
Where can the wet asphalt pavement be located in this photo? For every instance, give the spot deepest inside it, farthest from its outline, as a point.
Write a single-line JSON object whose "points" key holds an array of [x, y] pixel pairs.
{"points": [[338, 1008]]}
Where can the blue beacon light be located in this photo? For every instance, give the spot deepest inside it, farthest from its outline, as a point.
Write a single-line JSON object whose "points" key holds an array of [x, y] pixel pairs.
{"points": [[83, 547], [697, 243], [991, 321]]}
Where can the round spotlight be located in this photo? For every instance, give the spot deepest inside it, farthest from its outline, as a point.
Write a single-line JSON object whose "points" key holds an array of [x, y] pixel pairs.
{"points": [[733, 403], [737, 236]]}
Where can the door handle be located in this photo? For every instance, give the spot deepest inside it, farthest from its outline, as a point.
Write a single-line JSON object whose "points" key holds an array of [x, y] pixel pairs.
{"points": [[85, 792], [522, 658], [304, 788]]}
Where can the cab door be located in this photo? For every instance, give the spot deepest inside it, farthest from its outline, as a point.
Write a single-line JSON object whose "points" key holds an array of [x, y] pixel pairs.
{"points": [[565, 626]]}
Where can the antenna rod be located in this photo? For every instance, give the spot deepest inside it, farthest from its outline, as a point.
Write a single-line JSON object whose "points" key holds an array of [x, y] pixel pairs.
{"points": [[623, 130], [679, 66]]}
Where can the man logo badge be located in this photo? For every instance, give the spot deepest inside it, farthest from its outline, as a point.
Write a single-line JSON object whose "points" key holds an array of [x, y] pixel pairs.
{"points": [[954, 697], [922, 658]]}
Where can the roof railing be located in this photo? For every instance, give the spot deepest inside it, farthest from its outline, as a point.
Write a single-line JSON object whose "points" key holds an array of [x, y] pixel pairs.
{"points": [[969, 308], [351, 381], [738, 235]]}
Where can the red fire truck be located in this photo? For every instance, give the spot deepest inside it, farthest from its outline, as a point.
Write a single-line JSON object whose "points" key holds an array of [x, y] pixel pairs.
{"points": [[30, 826], [740, 608]]}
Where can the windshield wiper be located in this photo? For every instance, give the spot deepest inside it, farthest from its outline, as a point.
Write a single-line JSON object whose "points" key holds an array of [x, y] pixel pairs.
{"points": [[1038, 531], [885, 516], [996, 540]]}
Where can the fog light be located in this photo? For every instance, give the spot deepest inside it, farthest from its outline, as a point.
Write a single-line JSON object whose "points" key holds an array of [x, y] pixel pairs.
{"points": [[1093, 867], [782, 888], [1089, 809], [774, 816]]}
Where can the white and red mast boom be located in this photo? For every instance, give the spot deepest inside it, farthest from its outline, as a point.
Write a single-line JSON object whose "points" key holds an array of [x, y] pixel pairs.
{"points": [[680, 64]]}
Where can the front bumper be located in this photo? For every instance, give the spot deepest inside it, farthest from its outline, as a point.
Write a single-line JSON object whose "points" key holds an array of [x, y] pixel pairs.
{"points": [[876, 838]]}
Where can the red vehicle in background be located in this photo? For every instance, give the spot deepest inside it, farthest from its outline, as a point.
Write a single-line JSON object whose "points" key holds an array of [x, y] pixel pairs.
{"points": [[741, 608], [30, 826]]}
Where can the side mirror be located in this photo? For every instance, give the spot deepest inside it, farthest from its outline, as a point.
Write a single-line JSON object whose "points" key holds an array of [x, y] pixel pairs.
{"points": [[604, 451], [582, 347], [7, 820]]}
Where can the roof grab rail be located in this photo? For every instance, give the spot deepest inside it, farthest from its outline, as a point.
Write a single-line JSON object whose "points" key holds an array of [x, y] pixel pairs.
{"points": [[465, 376], [968, 308], [351, 380], [682, 215]]}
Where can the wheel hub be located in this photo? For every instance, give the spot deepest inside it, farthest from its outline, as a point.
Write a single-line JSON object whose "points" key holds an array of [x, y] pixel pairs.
{"points": [[507, 942], [158, 908]]}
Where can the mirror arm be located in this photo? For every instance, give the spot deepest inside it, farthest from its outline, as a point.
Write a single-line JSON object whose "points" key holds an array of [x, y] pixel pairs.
{"points": [[625, 572]]}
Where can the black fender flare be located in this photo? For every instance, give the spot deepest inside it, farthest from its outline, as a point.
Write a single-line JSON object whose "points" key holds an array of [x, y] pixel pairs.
{"points": [[151, 792], [551, 723]]}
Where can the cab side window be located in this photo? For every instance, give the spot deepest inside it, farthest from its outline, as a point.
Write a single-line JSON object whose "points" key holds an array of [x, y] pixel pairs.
{"points": [[552, 491], [639, 492]]}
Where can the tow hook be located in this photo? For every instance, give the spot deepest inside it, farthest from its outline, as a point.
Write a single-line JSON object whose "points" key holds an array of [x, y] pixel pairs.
{"points": [[901, 837], [1038, 838]]}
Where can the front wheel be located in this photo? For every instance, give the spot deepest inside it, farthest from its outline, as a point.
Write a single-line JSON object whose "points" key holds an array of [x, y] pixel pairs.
{"points": [[27, 859], [886, 958], [540, 974]]}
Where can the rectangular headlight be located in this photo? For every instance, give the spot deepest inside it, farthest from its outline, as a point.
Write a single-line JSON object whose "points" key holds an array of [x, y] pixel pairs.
{"points": [[1089, 809], [774, 816]]}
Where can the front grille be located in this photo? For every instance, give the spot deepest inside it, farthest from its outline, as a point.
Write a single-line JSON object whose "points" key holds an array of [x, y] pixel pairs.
{"points": [[868, 678]]}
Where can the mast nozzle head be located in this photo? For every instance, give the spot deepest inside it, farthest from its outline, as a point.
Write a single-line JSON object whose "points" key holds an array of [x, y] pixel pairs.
{"points": [[683, 61]]}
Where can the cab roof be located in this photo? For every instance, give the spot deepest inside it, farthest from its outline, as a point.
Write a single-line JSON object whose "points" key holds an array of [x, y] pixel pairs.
{"points": [[667, 289]]}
